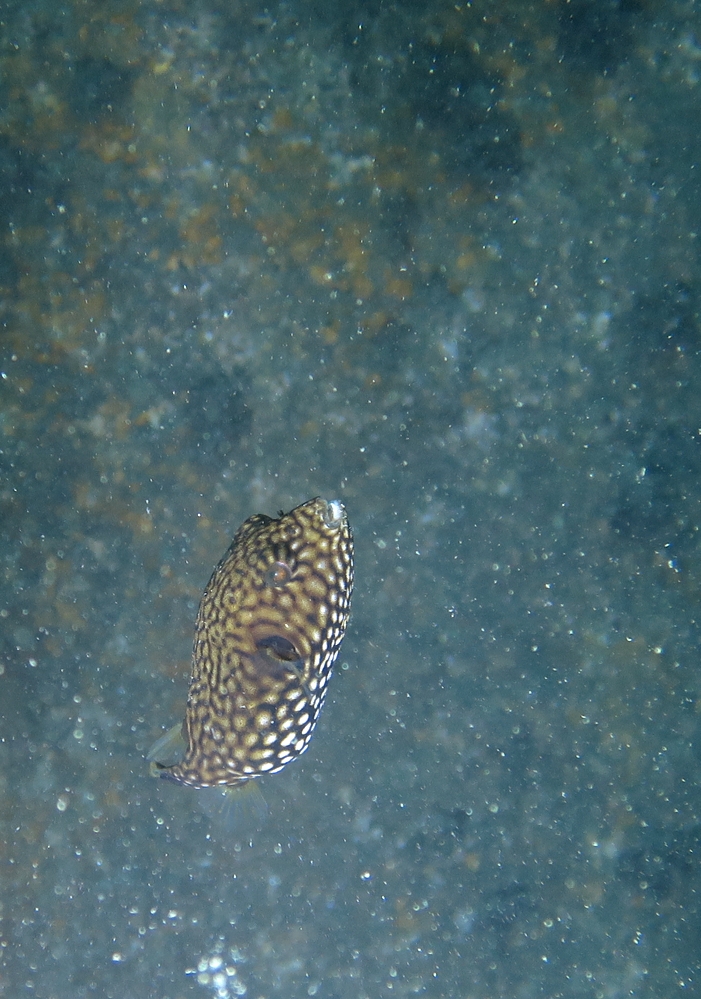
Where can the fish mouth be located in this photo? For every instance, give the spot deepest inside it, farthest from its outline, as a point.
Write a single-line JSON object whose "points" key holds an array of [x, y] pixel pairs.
{"points": [[333, 513]]}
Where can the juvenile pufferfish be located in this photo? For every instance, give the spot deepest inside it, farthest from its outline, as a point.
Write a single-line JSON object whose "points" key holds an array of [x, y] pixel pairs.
{"points": [[269, 629]]}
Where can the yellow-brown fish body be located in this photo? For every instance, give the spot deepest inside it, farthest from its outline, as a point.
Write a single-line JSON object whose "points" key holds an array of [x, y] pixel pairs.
{"points": [[269, 628]]}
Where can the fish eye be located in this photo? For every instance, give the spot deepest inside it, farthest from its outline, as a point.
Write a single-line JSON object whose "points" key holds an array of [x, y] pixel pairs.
{"points": [[279, 648], [332, 515], [278, 574]]}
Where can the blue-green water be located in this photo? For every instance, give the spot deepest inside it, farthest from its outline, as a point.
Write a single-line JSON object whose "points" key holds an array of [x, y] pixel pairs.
{"points": [[440, 263]]}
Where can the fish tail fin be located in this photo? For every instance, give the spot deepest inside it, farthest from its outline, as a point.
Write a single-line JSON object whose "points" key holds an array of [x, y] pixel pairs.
{"points": [[235, 812]]}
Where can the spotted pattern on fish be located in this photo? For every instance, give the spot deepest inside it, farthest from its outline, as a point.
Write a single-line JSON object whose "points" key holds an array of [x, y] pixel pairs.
{"points": [[268, 631]]}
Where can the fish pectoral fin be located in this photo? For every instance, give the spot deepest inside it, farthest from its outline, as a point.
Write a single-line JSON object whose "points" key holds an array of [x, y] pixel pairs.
{"points": [[265, 665], [169, 749], [277, 656], [278, 647]]}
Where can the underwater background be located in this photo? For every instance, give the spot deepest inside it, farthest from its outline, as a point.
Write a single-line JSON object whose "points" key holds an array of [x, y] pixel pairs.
{"points": [[437, 261]]}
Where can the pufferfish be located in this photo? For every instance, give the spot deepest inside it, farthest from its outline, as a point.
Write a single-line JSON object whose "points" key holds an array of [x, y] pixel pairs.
{"points": [[269, 628]]}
